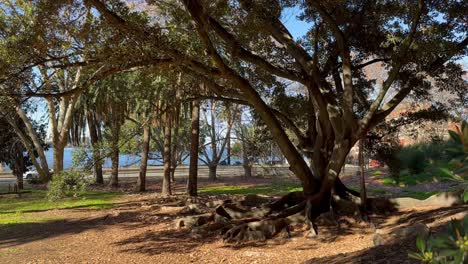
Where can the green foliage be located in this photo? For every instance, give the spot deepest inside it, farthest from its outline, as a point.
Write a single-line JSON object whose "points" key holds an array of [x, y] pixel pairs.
{"points": [[70, 183], [458, 148], [413, 158], [451, 246]]}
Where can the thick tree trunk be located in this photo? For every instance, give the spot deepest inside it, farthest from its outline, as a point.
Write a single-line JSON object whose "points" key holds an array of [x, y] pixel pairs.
{"points": [[59, 149], [166, 187], [94, 136], [247, 170], [19, 181], [194, 145], [141, 181], [114, 178], [212, 172]]}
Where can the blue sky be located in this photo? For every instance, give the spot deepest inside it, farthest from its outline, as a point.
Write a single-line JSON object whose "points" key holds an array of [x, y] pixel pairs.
{"points": [[297, 27]]}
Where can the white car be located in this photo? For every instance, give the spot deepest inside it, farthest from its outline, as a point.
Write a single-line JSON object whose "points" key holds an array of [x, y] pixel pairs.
{"points": [[30, 175]]}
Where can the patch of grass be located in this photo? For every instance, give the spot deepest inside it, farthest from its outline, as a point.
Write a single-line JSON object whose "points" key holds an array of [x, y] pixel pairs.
{"points": [[15, 209], [275, 188], [377, 173], [419, 194]]}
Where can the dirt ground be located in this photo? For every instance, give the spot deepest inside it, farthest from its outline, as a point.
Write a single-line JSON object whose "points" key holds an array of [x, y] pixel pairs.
{"points": [[140, 229]]}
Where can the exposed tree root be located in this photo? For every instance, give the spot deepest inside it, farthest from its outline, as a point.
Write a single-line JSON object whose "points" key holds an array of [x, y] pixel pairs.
{"points": [[257, 219]]}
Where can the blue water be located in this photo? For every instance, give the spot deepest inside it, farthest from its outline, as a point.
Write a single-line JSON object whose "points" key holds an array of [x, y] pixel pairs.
{"points": [[125, 160]]}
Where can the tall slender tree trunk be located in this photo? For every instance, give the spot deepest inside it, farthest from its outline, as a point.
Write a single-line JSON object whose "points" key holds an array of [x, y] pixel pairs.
{"points": [[42, 167], [175, 142], [94, 135], [141, 182], [228, 147], [114, 179], [19, 168], [166, 186], [362, 180], [194, 145]]}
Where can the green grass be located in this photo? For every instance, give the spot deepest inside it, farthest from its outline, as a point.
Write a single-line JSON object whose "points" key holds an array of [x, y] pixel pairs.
{"points": [[14, 210], [418, 194], [275, 188]]}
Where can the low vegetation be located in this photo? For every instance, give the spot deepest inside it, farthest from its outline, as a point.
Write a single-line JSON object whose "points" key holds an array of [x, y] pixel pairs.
{"points": [[14, 209]]}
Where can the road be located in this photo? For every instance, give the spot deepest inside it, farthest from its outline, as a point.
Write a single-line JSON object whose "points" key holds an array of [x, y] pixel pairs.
{"points": [[182, 172]]}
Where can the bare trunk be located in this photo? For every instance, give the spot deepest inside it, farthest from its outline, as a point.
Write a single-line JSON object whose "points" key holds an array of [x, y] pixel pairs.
{"points": [[141, 182], [19, 168], [58, 157], [94, 135], [245, 160], [166, 187], [43, 167], [228, 147], [362, 180], [247, 170], [212, 172], [114, 178], [175, 143], [194, 145]]}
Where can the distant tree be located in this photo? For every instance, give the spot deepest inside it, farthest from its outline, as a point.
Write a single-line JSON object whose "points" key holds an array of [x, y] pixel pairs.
{"points": [[13, 152], [214, 133]]}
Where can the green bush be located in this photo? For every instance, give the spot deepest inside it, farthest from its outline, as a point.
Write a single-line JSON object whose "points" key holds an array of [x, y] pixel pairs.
{"points": [[451, 246], [413, 158], [70, 183]]}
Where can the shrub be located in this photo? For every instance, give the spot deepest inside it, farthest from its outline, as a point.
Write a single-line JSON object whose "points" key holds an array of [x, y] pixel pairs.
{"points": [[451, 246], [70, 183], [413, 158]]}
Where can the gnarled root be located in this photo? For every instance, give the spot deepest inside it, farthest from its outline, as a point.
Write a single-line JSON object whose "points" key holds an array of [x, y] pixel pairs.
{"points": [[259, 230]]}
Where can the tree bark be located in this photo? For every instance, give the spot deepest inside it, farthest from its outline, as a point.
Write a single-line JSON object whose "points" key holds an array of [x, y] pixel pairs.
{"points": [[247, 170], [59, 149], [18, 169], [228, 147], [166, 186], [141, 181], [114, 179], [212, 172], [362, 180], [43, 169], [94, 135], [194, 145], [175, 143]]}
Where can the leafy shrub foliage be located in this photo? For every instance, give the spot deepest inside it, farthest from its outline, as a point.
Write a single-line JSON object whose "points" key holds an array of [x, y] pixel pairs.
{"points": [[413, 158], [458, 147], [451, 246], [70, 183]]}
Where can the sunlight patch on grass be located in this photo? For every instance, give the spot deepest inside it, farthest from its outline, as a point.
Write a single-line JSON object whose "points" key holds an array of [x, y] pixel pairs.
{"points": [[36, 201], [274, 188]]}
